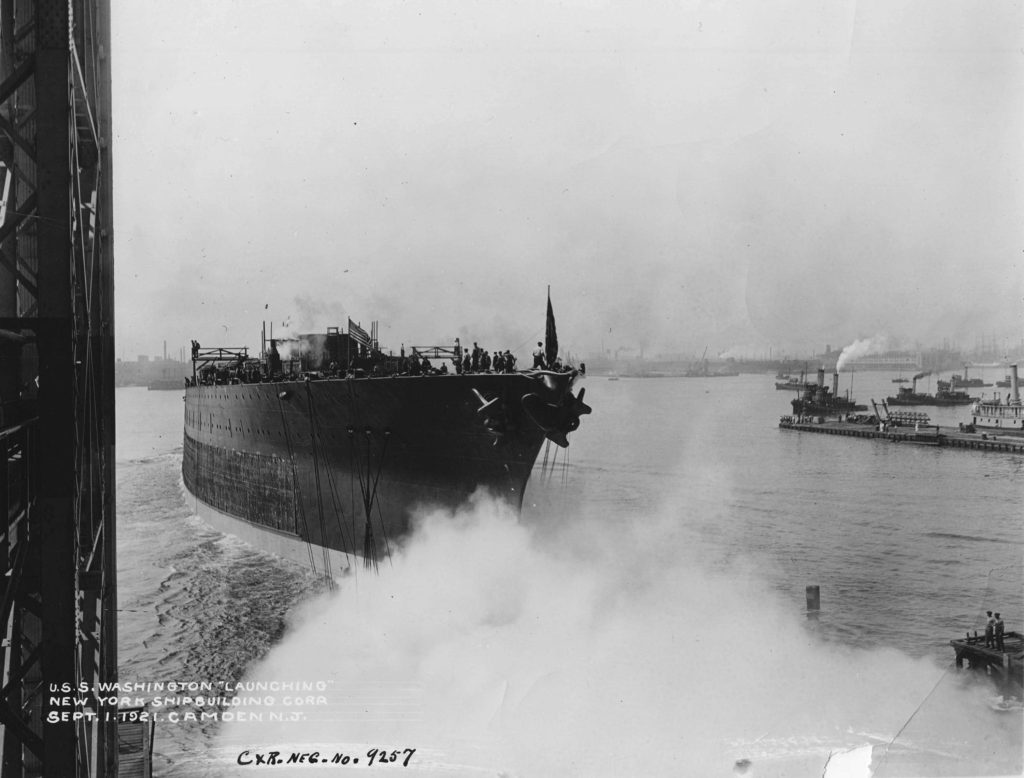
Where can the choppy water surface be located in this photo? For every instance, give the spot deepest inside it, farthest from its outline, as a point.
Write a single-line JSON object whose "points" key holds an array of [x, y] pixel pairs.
{"points": [[654, 589]]}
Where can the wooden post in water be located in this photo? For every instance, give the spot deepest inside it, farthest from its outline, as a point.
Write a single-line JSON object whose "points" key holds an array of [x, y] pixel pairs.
{"points": [[813, 601]]}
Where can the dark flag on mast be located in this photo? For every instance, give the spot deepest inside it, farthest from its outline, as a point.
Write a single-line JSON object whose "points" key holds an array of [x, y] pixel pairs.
{"points": [[550, 336]]}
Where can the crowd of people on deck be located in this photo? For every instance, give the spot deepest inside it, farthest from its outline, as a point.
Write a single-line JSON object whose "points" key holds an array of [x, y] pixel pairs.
{"points": [[480, 360], [367, 364]]}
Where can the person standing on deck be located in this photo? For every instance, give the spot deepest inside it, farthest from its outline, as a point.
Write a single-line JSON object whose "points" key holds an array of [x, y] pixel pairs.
{"points": [[999, 633], [990, 626], [538, 356]]}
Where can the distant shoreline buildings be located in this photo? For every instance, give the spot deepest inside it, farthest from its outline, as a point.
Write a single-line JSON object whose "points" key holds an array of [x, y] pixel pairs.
{"points": [[155, 372], [937, 359]]}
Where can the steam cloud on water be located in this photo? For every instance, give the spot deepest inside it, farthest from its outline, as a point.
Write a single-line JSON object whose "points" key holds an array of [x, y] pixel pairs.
{"points": [[578, 650]]}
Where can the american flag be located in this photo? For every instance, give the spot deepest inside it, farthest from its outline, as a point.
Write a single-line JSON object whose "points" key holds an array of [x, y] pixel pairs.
{"points": [[358, 334]]}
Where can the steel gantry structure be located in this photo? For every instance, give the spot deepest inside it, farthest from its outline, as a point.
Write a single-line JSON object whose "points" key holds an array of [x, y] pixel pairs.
{"points": [[57, 591]]}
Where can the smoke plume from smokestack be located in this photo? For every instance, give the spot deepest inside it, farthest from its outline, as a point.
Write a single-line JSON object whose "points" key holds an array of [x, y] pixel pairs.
{"points": [[861, 348]]}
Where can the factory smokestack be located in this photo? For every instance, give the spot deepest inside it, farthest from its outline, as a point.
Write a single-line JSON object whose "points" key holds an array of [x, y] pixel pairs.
{"points": [[1014, 386]]}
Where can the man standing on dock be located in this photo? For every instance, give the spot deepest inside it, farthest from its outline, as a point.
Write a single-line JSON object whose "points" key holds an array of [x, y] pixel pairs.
{"points": [[989, 630], [999, 633]]}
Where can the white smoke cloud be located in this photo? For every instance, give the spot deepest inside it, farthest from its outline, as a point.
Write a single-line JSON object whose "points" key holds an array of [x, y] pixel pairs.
{"points": [[495, 648], [861, 348]]}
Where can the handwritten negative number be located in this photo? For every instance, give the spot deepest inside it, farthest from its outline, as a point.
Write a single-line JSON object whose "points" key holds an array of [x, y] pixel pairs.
{"points": [[380, 756]]}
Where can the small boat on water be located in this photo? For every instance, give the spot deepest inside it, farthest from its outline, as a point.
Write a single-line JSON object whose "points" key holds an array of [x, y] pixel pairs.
{"points": [[794, 384], [995, 415], [786, 382], [701, 369], [966, 382], [946, 394]]}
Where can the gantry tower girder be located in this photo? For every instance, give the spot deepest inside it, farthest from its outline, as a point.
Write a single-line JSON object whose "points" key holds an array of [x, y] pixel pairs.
{"points": [[57, 594]]}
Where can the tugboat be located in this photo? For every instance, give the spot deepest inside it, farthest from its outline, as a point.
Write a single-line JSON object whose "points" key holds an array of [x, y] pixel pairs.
{"points": [[944, 394], [997, 416], [797, 384], [964, 382], [908, 395], [817, 400]]}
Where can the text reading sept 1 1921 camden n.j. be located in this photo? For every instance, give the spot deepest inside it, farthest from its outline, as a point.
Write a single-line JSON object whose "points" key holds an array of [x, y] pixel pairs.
{"points": [[373, 756]]}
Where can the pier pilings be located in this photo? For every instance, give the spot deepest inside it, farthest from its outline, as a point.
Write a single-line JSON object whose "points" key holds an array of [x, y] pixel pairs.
{"points": [[1004, 666]]}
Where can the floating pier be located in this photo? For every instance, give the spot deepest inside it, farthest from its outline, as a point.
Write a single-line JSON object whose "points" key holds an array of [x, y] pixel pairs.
{"points": [[920, 434], [1005, 667]]}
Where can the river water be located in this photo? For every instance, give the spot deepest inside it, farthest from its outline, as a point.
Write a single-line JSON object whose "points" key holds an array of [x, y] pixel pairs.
{"points": [[645, 615]]}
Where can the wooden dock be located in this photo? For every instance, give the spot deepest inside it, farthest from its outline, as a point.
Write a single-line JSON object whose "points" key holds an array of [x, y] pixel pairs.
{"points": [[1005, 667], [922, 435]]}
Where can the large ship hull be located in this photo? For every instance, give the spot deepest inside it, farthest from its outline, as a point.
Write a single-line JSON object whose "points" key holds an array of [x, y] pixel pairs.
{"points": [[341, 464]]}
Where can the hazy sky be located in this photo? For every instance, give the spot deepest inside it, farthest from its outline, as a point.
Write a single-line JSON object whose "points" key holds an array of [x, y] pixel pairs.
{"points": [[682, 174]]}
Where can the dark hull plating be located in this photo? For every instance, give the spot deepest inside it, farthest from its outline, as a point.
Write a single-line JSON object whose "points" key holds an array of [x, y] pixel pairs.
{"points": [[306, 459]]}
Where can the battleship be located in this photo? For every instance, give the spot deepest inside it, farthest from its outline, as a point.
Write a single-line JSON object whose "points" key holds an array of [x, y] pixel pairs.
{"points": [[324, 445]]}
